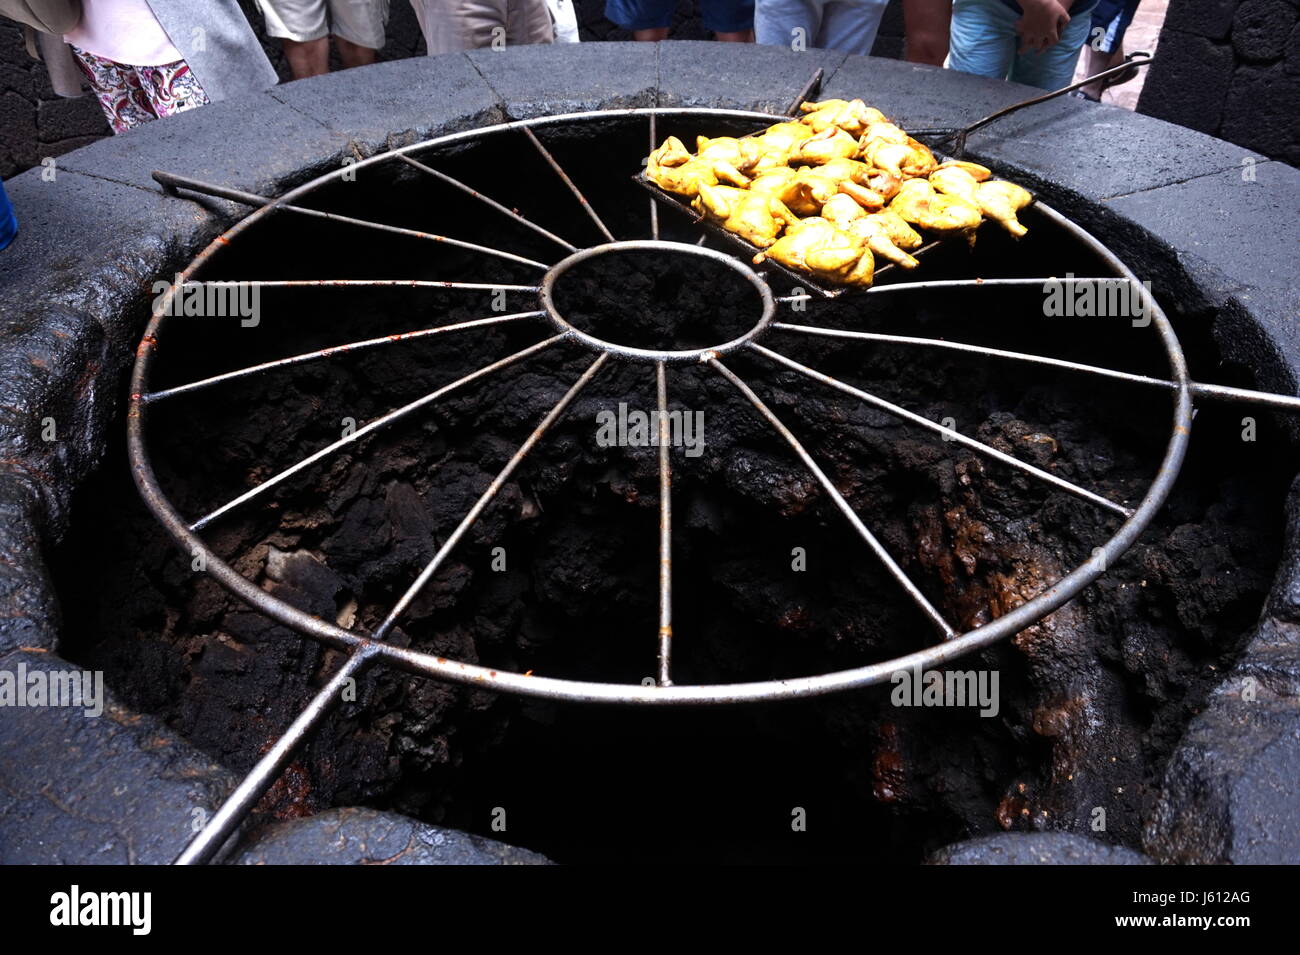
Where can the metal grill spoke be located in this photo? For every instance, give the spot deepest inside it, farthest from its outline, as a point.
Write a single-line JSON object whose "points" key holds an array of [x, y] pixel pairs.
{"points": [[665, 533], [369, 428], [487, 200], [1199, 390], [948, 433], [932, 284], [364, 283], [573, 188], [654, 205], [877, 548], [481, 504], [173, 181], [333, 350], [261, 777]]}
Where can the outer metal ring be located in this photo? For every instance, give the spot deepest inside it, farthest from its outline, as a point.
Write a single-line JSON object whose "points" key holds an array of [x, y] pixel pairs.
{"points": [[452, 671]]}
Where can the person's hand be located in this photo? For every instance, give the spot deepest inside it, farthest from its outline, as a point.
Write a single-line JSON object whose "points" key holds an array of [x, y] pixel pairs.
{"points": [[1041, 25]]}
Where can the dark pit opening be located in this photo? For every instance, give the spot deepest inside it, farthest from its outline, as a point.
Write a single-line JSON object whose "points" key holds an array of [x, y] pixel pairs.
{"points": [[1092, 699], [672, 300]]}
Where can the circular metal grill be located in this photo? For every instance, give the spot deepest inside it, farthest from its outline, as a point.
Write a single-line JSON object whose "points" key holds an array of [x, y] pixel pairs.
{"points": [[365, 648]]}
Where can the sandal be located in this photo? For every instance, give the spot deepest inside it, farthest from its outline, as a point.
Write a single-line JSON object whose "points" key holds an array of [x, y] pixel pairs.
{"points": [[1129, 74]]}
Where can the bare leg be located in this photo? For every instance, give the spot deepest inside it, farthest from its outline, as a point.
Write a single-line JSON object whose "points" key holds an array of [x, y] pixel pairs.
{"points": [[926, 24], [740, 36], [1097, 62], [652, 35], [308, 59], [354, 54]]}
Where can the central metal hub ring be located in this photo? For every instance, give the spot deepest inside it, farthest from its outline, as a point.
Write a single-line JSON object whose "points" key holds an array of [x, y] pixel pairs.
{"points": [[653, 354]]}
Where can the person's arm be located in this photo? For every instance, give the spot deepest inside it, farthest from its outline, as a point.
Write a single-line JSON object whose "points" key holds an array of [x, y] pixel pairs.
{"points": [[1041, 25], [925, 25]]}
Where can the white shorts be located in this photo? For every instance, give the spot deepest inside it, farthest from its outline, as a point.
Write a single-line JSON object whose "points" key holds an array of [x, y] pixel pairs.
{"points": [[358, 21]]}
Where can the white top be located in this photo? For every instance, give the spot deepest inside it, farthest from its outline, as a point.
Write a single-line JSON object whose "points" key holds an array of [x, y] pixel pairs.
{"points": [[124, 31]]}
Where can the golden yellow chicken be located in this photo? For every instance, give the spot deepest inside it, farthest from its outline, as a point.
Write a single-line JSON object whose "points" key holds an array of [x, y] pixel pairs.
{"points": [[888, 236], [852, 116], [977, 172], [956, 182], [816, 184], [830, 143], [1001, 200], [885, 233], [918, 204], [673, 168], [781, 182], [771, 149], [814, 245], [889, 147], [755, 217], [726, 148]]}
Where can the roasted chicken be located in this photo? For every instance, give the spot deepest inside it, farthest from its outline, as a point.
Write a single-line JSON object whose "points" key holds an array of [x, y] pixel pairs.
{"points": [[814, 245], [1001, 200], [918, 204], [816, 184], [852, 116], [831, 143], [673, 168], [887, 146], [834, 192], [755, 217], [885, 233]]}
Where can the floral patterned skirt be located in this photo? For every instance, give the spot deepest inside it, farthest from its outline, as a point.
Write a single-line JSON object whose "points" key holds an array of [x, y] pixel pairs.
{"points": [[131, 95]]}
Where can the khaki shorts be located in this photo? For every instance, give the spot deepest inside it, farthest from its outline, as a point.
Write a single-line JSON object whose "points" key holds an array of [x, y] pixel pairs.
{"points": [[451, 25], [358, 21]]}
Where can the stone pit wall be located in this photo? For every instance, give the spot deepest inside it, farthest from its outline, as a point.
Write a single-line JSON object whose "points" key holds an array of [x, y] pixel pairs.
{"points": [[1231, 68], [36, 123]]}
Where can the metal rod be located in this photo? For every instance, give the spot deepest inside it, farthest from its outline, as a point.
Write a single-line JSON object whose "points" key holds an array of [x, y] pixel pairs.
{"points": [[665, 533], [375, 425], [568, 182], [948, 433], [366, 283], [956, 283], [654, 206], [333, 350], [959, 136], [470, 191], [810, 89], [883, 555], [204, 846], [432, 567], [247, 198], [1198, 390]]}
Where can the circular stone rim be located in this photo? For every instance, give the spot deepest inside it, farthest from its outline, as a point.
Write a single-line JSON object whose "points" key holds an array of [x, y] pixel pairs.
{"points": [[451, 671], [630, 352]]}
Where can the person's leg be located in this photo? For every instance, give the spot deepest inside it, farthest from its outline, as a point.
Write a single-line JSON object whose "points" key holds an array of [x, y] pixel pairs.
{"points": [[171, 88], [307, 58], [850, 25], [925, 26], [528, 21], [731, 21], [983, 39], [358, 29], [649, 20], [119, 94], [302, 29], [793, 24], [1054, 67], [1105, 49]]}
